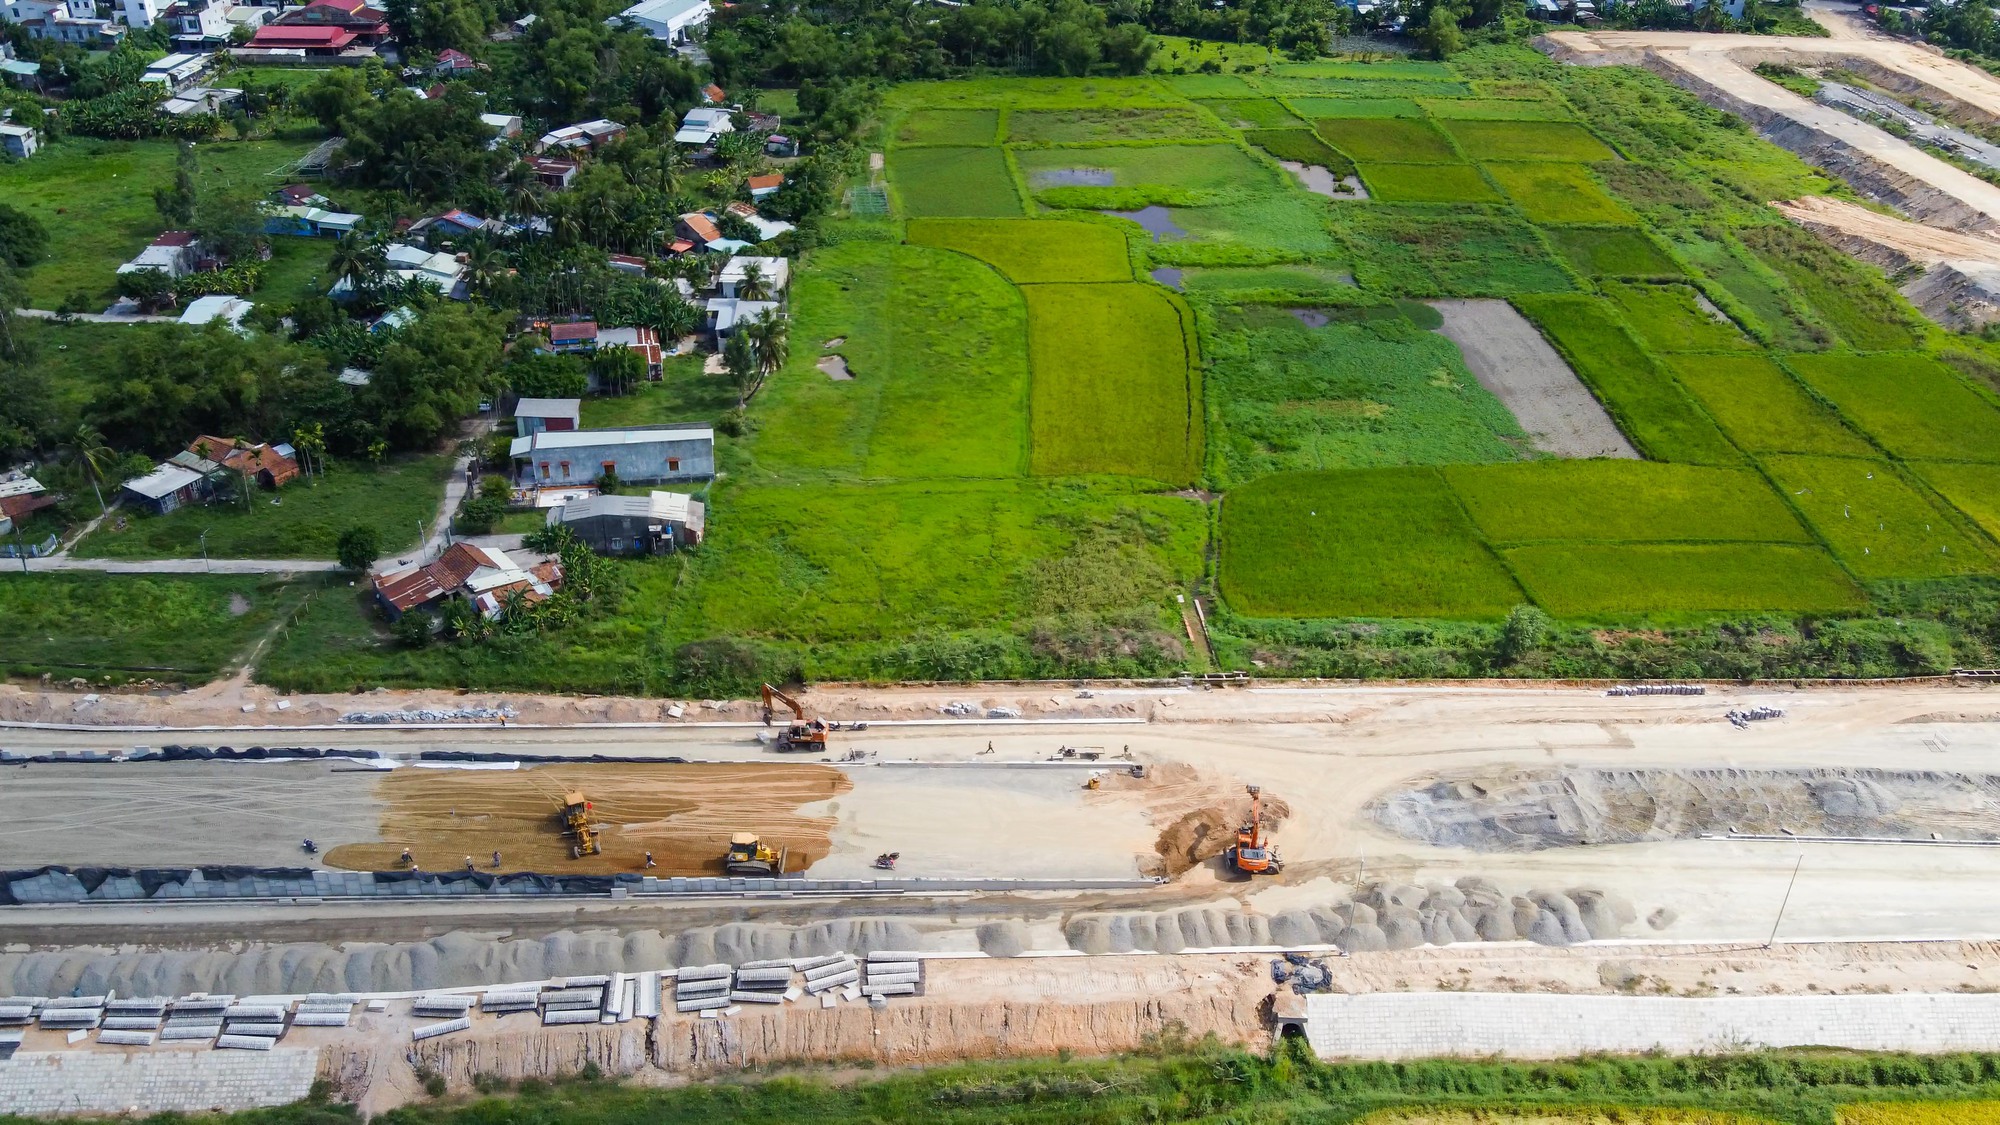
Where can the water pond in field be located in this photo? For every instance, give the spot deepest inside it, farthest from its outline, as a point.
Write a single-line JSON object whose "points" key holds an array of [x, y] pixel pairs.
{"points": [[1158, 221], [1169, 276], [1072, 177], [1320, 181]]}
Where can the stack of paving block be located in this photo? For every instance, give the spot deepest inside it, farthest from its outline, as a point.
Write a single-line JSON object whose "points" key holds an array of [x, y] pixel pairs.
{"points": [[762, 982], [893, 972], [702, 988], [132, 1021], [510, 998], [195, 1019], [72, 1013], [574, 1000], [16, 1013], [824, 974], [254, 1024], [452, 1010], [322, 1009]]}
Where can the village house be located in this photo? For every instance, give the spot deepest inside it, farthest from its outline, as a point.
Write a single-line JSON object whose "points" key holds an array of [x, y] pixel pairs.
{"points": [[712, 94], [260, 465], [309, 222], [65, 21], [641, 339], [725, 313], [174, 253], [177, 72], [568, 339], [457, 223], [627, 263], [18, 141], [486, 577], [452, 62], [324, 29], [776, 274], [440, 271], [228, 309], [636, 455], [587, 135], [21, 496], [534, 415], [701, 126], [762, 186], [507, 126], [767, 229], [170, 486], [201, 99], [649, 523], [673, 22], [554, 173]]}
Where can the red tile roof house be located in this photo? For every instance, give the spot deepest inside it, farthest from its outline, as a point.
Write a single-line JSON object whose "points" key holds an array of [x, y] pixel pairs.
{"points": [[452, 61], [485, 576], [554, 172], [761, 186], [578, 337], [267, 465], [314, 41]]}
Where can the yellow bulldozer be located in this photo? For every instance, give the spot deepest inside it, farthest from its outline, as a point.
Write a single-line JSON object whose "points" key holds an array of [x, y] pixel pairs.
{"points": [[579, 822], [751, 857]]}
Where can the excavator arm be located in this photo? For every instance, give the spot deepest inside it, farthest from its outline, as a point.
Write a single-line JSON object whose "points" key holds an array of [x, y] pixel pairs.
{"points": [[773, 696]]}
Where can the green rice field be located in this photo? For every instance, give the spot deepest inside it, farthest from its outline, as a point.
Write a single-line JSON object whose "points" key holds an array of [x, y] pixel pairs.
{"points": [[1427, 183], [1114, 386], [1613, 253], [1528, 140], [953, 182], [1383, 140], [1027, 250], [1558, 193], [1762, 408], [1912, 405]]}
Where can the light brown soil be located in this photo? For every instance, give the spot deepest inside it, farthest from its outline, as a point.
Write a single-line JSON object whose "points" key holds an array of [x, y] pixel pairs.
{"points": [[682, 814], [1198, 813]]}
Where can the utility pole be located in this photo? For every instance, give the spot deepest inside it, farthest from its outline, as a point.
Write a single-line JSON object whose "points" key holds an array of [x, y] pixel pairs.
{"points": [[206, 569], [20, 547], [1782, 903]]}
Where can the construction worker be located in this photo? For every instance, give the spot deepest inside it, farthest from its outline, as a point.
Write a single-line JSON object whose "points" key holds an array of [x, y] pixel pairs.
{"points": [[649, 861], [496, 859], [409, 859], [468, 864]]}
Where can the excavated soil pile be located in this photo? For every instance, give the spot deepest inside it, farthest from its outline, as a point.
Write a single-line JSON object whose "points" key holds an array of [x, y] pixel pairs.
{"points": [[1380, 916], [1198, 826], [683, 814], [1533, 809]]}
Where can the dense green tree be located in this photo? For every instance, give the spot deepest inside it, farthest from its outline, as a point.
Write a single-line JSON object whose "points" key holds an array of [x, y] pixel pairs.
{"points": [[357, 548], [23, 239], [435, 372], [546, 375]]}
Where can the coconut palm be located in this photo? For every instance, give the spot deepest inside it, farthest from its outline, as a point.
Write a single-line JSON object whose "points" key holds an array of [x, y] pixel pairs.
{"points": [[93, 457], [771, 335], [754, 286], [739, 360], [358, 259]]}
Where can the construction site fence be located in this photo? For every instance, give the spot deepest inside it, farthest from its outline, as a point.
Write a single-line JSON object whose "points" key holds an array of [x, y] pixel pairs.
{"points": [[66, 886]]}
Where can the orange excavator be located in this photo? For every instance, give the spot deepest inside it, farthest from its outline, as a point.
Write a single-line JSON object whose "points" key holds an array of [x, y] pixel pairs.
{"points": [[1252, 853], [806, 734]]}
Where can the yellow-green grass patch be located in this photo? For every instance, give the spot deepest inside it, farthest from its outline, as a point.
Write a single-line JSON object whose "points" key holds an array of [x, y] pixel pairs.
{"points": [[1032, 93], [1615, 501], [1595, 580], [1287, 279], [1253, 113], [1614, 252], [1674, 318], [1400, 140], [1911, 404], [1114, 383], [1921, 1113], [953, 182], [1427, 183], [1088, 126], [1877, 523], [1309, 107], [1026, 251], [1559, 193], [1763, 409], [1286, 86], [1358, 543], [1576, 1115], [1972, 489], [1212, 86], [1528, 140], [1641, 397], [1494, 109], [1412, 69], [949, 127]]}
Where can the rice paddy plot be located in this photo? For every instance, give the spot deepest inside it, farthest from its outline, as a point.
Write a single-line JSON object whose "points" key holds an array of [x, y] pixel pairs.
{"points": [[949, 127], [1912, 405], [1921, 1113], [1302, 146], [1558, 193], [1114, 384], [1972, 489], [1417, 69], [1854, 299], [1027, 251], [1643, 399], [1625, 581], [832, 562], [1618, 501], [1416, 251], [1187, 168], [1285, 87], [1097, 126], [1212, 86], [1312, 108], [952, 182], [1384, 140], [1878, 523], [1295, 224], [1755, 288], [1252, 113], [1619, 252], [1674, 318], [1763, 409], [1286, 395], [1494, 109], [1011, 92], [1427, 183], [1502, 141], [1303, 280], [1358, 543], [937, 345]]}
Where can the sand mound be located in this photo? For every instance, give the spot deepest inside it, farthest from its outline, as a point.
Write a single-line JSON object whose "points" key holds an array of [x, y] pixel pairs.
{"points": [[1532, 809]]}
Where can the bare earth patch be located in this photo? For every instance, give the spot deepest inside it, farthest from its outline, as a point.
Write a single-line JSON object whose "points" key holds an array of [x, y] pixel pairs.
{"points": [[1511, 359]]}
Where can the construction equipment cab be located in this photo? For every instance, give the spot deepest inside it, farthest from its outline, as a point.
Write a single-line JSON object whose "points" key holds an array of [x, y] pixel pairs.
{"points": [[751, 857], [804, 733], [580, 825], [1252, 854]]}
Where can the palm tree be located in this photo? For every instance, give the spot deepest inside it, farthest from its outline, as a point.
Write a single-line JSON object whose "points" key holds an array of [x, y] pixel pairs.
{"points": [[357, 259], [771, 335], [754, 286], [739, 359], [484, 267], [92, 456]]}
